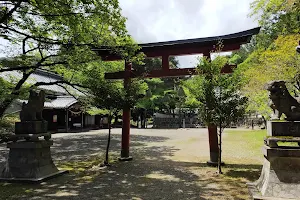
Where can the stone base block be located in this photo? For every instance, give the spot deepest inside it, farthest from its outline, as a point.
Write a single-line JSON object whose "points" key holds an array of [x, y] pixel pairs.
{"points": [[214, 164], [283, 128], [29, 162], [256, 195], [122, 159], [34, 180], [280, 176], [32, 137], [31, 127], [214, 157], [273, 142]]}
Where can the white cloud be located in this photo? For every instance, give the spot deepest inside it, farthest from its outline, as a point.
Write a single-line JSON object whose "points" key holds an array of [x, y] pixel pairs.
{"points": [[164, 20]]}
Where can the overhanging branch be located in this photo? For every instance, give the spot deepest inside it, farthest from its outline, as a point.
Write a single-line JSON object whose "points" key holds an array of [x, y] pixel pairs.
{"points": [[31, 67], [74, 85], [45, 40], [10, 13], [74, 88], [67, 91], [16, 68], [58, 15]]}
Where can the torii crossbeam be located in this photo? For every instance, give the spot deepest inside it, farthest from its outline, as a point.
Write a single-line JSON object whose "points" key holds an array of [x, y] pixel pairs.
{"points": [[164, 50]]}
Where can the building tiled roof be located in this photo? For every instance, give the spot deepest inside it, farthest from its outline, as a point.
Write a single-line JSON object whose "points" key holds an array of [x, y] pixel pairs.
{"points": [[62, 102], [62, 99], [41, 76]]}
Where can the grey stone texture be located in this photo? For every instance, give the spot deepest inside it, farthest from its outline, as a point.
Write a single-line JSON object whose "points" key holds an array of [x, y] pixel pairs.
{"points": [[273, 142], [31, 127], [283, 128], [282, 102], [29, 161], [32, 110]]}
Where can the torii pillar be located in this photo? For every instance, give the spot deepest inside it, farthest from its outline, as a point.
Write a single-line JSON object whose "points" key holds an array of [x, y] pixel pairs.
{"points": [[212, 135], [126, 117]]}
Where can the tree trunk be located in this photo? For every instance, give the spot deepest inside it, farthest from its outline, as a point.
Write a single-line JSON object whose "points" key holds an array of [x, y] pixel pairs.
{"points": [[143, 118], [116, 119], [220, 150], [14, 94], [106, 161], [265, 121], [5, 105]]}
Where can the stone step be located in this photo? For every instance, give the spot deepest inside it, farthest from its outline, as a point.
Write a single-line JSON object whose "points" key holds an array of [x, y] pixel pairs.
{"points": [[272, 141]]}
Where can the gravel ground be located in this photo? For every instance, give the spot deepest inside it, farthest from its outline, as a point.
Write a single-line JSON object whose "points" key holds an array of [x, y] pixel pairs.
{"points": [[168, 164]]}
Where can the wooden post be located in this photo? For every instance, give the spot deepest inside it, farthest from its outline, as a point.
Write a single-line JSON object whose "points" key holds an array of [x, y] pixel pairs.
{"points": [[213, 145], [126, 118], [212, 136], [67, 120], [82, 120], [165, 63]]}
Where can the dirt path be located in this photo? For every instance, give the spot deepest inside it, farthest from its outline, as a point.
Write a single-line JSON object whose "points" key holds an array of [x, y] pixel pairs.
{"points": [[168, 164]]}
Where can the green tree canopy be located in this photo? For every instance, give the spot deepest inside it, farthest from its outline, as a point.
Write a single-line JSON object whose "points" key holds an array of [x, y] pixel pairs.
{"points": [[279, 62], [106, 94], [271, 54], [218, 95], [52, 35]]}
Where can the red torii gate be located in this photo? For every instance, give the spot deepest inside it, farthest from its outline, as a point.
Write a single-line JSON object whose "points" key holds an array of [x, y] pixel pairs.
{"points": [[203, 46]]}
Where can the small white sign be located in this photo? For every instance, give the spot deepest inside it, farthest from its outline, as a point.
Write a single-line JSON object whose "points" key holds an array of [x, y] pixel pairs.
{"points": [[54, 118]]}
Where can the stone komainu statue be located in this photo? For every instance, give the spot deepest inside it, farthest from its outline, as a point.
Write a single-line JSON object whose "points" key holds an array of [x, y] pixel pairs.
{"points": [[32, 111], [282, 102]]}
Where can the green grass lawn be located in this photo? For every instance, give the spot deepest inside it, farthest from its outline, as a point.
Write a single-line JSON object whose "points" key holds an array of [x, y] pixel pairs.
{"points": [[243, 146]]}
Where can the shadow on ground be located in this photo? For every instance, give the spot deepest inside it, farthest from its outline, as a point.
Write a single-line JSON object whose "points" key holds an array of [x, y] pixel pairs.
{"points": [[151, 175]]}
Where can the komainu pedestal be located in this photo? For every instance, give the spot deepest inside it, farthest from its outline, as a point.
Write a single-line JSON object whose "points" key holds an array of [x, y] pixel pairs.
{"points": [[29, 161], [283, 128], [31, 127], [29, 158], [280, 176]]}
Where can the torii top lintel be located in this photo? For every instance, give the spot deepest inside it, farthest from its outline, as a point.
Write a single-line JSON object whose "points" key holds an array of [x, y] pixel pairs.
{"points": [[204, 46]]}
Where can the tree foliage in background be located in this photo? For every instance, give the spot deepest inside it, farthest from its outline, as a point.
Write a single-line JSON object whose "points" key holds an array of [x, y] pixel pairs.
{"points": [[278, 62], [144, 96], [162, 92], [271, 54], [52, 35], [105, 94], [276, 18]]}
